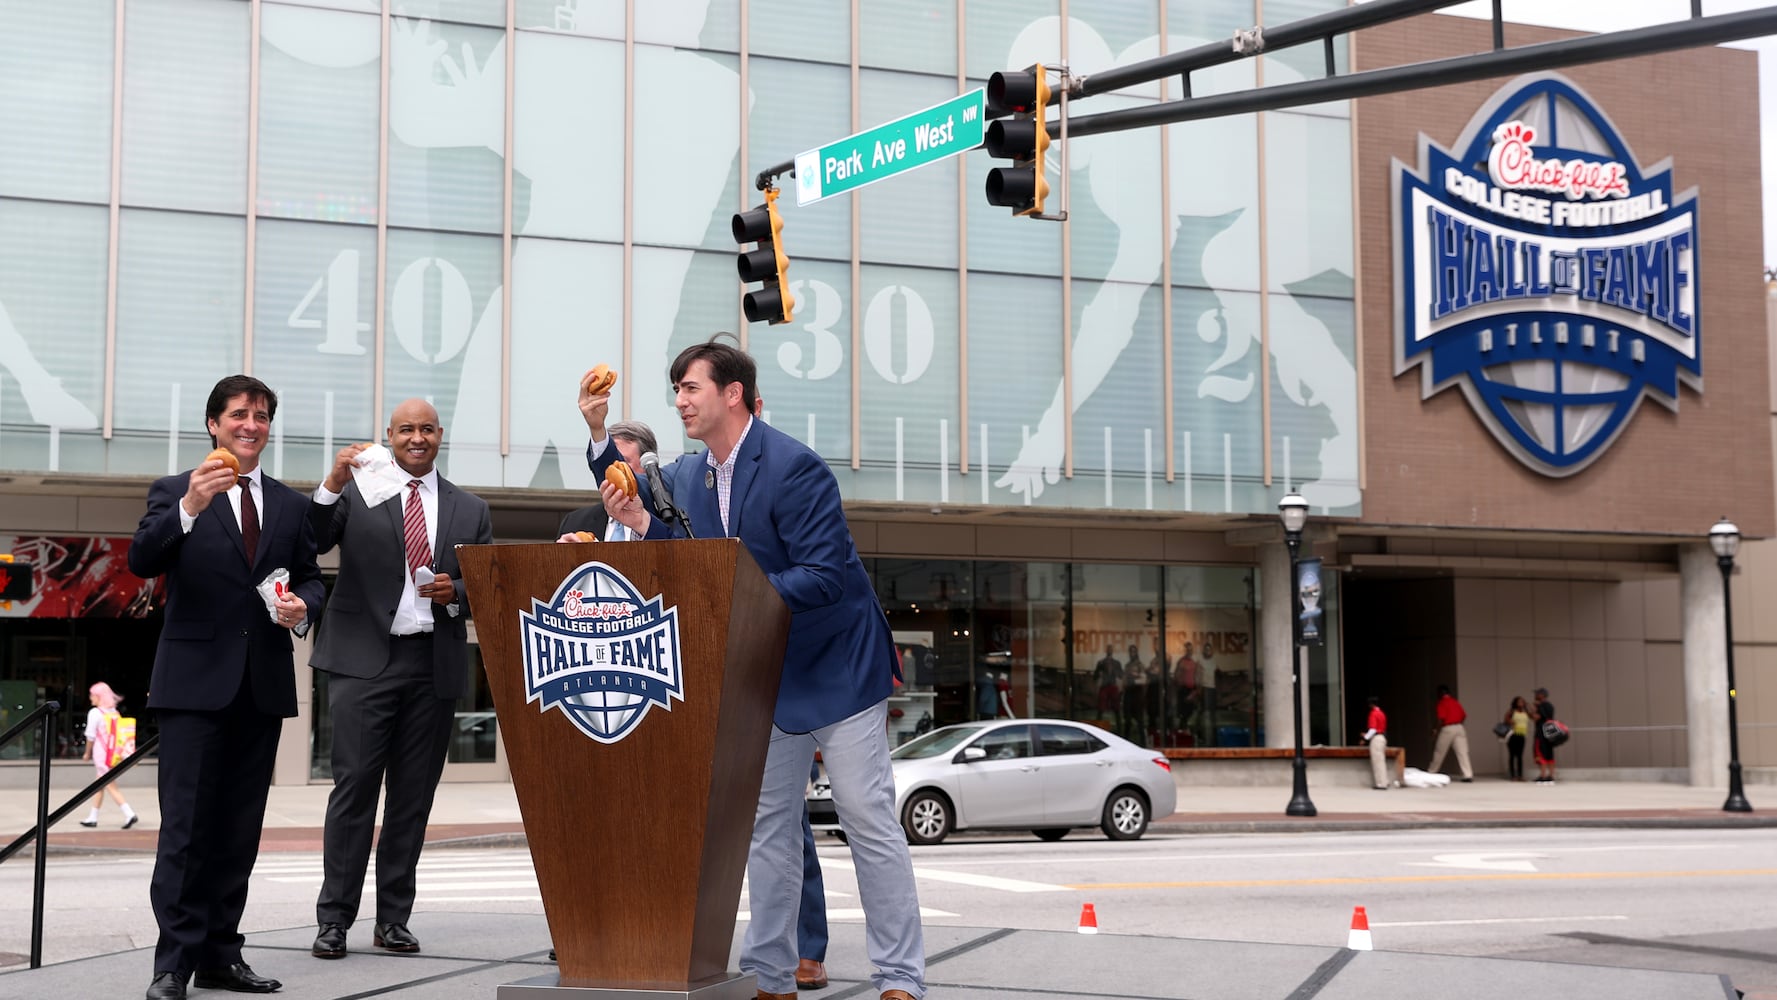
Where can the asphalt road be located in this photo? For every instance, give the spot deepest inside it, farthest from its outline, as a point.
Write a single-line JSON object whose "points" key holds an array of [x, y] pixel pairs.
{"points": [[1679, 900]]}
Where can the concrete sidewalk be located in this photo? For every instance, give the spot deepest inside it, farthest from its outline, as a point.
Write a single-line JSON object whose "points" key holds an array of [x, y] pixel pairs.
{"points": [[471, 955], [487, 812]]}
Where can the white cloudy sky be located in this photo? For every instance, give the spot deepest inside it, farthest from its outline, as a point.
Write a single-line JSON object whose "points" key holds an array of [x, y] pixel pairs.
{"points": [[1612, 15]]}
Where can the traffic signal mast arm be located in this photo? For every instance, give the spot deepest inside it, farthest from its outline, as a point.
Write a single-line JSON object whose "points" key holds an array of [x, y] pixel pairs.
{"points": [[1501, 62], [1324, 28]]}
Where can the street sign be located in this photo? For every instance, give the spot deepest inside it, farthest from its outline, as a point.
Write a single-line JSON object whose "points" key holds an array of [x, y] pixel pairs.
{"points": [[940, 131]]}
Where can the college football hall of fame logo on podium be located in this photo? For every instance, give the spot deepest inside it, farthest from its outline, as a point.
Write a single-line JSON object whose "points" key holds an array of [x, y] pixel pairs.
{"points": [[600, 653], [1541, 268]]}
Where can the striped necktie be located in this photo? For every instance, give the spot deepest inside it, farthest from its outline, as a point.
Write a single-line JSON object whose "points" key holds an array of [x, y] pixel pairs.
{"points": [[419, 551]]}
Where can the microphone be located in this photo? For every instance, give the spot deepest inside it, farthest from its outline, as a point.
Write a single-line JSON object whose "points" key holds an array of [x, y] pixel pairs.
{"points": [[663, 498]]}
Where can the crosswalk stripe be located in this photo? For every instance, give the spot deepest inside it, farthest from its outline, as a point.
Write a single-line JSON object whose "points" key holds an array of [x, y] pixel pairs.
{"points": [[964, 878], [858, 914]]}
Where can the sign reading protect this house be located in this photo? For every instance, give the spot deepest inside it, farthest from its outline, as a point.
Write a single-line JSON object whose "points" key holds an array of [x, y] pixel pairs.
{"points": [[1547, 273]]}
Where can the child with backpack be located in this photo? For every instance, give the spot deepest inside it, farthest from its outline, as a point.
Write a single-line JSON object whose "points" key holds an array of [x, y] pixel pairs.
{"points": [[109, 739]]}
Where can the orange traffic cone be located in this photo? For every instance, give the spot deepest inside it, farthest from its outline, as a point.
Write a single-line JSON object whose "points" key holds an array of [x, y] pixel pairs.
{"points": [[1360, 932], [1088, 920]]}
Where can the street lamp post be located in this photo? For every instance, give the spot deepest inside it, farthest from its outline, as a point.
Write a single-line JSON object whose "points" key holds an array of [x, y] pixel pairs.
{"points": [[1293, 509], [1724, 538]]}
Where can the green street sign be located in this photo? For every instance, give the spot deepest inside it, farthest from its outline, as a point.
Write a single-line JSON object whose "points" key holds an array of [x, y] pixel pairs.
{"points": [[940, 131]]}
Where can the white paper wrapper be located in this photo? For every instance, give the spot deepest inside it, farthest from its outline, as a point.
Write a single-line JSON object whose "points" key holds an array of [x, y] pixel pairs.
{"points": [[268, 591], [377, 475]]}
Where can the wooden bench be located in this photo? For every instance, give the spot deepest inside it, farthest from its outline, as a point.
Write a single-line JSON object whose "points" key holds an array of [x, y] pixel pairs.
{"points": [[1271, 765]]}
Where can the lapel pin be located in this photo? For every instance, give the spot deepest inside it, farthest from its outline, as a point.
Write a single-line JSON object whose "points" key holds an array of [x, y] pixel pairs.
{"points": [[709, 479]]}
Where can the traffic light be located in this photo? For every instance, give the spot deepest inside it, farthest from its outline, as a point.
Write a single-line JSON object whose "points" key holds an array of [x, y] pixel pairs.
{"points": [[772, 302], [15, 580], [1023, 139]]}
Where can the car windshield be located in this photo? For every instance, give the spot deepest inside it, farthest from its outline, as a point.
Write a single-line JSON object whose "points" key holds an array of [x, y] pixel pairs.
{"points": [[935, 744]]}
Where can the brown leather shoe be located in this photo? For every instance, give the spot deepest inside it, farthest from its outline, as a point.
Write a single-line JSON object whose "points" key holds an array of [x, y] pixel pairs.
{"points": [[897, 995], [775, 996], [810, 974]]}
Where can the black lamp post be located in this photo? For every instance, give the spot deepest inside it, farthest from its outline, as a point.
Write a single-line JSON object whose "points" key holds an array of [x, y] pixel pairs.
{"points": [[1724, 538], [1294, 512]]}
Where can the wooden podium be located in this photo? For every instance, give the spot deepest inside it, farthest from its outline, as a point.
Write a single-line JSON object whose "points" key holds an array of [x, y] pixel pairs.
{"points": [[639, 837]]}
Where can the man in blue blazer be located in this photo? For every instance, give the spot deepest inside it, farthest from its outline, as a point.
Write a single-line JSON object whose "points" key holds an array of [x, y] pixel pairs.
{"points": [[223, 682], [777, 496], [394, 644]]}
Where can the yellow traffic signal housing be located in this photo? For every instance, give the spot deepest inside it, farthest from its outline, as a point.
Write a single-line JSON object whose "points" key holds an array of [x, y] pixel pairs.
{"points": [[772, 301], [15, 581], [1023, 139]]}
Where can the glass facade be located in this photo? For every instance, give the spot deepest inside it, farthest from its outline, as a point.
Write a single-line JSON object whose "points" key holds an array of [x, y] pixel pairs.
{"points": [[473, 219], [1053, 394], [1162, 655]]}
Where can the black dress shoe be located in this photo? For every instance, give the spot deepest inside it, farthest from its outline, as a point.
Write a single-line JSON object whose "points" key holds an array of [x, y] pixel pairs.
{"points": [[331, 942], [394, 937], [167, 986], [238, 978]]}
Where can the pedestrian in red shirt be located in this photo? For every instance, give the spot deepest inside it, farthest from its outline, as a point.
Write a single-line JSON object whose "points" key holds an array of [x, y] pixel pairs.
{"points": [[1376, 735], [1451, 733]]}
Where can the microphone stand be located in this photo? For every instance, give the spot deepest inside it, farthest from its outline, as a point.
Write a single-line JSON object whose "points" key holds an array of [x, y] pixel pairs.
{"points": [[663, 498], [666, 509]]}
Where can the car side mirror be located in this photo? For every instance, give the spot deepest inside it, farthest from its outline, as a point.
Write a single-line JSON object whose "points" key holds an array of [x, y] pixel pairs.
{"points": [[972, 753]]}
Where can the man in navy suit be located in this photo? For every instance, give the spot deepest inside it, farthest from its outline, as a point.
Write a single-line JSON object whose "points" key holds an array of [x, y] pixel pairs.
{"points": [[223, 682], [394, 645], [777, 496]]}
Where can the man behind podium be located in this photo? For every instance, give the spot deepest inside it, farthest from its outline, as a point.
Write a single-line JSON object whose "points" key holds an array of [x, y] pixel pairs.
{"points": [[633, 440], [776, 495], [223, 683], [395, 648]]}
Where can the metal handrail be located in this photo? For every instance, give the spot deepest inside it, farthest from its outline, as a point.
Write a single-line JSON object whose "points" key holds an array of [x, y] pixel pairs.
{"points": [[44, 715], [97, 785], [47, 708]]}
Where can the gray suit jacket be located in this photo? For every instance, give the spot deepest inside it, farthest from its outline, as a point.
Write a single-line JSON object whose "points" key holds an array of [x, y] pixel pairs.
{"points": [[354, 635]]}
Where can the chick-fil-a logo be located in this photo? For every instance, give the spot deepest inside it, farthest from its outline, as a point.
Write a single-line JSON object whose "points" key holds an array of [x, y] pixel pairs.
{"points": [[1557, 292], [1513, 165]]}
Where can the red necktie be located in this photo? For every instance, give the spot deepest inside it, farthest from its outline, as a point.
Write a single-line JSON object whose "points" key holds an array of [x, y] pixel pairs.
{"points": [[249, 521], [419, 551]]}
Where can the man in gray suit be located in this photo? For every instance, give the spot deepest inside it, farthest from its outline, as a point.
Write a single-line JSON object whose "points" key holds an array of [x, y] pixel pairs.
{"points": [[394, 644]]}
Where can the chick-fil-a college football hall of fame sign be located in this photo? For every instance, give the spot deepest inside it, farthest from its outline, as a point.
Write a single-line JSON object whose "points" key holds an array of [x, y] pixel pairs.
{"points": [[600, 653], [1541, 268]]}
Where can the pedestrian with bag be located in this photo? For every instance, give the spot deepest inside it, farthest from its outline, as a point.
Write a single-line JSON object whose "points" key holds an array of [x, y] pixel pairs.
{"points": [[1545, 747], [1512, 730], [105, 748]]}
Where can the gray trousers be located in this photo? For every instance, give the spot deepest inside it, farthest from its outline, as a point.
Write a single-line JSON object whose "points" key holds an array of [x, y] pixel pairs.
{"points": [[389, 728], [855, 751]]}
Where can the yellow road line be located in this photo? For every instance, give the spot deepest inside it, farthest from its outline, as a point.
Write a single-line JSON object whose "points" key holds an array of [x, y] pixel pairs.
{"points": [[1384, 879]]}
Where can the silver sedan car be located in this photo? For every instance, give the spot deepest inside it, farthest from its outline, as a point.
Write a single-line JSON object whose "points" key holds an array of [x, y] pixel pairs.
{"points": [[1047, 776]]}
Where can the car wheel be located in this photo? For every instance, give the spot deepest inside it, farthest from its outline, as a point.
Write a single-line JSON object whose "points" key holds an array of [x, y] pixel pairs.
{"points": [[1125, 815], [1052, 834], [926, 818]]}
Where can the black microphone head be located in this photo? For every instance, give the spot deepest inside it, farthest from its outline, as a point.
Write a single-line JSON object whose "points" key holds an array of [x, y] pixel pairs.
{"points": [[650, 462]]}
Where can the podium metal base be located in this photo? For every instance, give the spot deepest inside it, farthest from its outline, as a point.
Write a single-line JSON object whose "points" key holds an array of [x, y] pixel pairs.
{"points": [[732, 986]]}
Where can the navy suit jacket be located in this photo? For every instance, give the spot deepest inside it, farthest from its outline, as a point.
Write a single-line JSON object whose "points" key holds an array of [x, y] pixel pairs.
{"points": [[216, 628], [785, 507], [354, 639]]}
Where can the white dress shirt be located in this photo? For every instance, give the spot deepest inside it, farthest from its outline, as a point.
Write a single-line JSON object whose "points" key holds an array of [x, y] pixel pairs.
{"points": [[414, 613]]}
